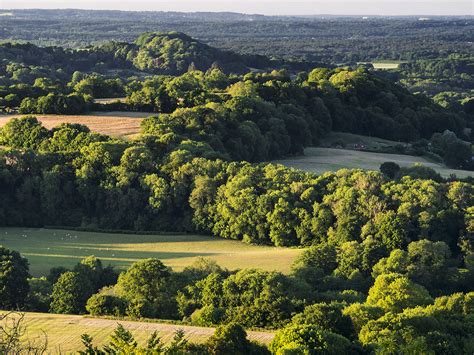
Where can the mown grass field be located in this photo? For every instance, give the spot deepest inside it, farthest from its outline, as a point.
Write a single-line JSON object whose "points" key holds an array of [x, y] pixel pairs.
{"points": [[321, 160], [114, 123], [343, 139], [110, 100], [385, 65], [64, 331], [47, 248]]}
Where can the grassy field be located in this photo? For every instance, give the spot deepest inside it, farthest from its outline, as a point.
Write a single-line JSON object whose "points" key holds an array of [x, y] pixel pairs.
{"points": [[47, 248], [115, 123], [64, 331], [109, 100], [349, 140], [320, 160], [385, 65]]}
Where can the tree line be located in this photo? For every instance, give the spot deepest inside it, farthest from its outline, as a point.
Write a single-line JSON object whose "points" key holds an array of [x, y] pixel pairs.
{"points": [[413, 301], [303, 108], [71, 177]]}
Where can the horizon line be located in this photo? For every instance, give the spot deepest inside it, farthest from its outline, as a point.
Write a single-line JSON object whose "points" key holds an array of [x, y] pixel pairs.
{"points": [[236, 12]]}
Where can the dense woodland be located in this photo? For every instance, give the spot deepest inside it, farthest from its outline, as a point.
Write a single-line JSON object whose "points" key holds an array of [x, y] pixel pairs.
{"points": [[435, 44], [389, 264], [389, 259], [328, 39], [255, 116]]}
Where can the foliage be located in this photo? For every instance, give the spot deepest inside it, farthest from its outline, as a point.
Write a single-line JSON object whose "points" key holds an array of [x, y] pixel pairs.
{"points": [[390, 169], [72, 289], [14, 273], [326, 317], [13, 337], [70, 293], [108, 305], [306, 338], [147, 282], [232, 339], [396, 239], [396, 293]]}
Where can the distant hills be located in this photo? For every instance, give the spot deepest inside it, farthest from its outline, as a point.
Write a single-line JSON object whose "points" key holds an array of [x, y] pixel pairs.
{"points": [[171, 53], [175, 53]]}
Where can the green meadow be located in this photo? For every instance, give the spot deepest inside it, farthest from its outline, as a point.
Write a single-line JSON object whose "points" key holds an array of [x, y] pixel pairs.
{"points": [[47, 248], [320, 160]]}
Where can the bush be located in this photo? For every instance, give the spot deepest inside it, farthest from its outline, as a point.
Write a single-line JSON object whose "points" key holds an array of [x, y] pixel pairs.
{"points": [[105, 305], [390, 169], [208, 316], [139, 308], [232, 339], [39, 296], [308, 339], [419, 171]]}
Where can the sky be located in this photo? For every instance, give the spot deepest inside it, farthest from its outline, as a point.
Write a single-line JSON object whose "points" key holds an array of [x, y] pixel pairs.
{"points": [[266, 7]]}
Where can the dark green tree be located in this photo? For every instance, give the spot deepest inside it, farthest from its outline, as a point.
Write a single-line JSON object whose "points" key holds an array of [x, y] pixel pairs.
{"points": [[14, 274], [70, 293]]}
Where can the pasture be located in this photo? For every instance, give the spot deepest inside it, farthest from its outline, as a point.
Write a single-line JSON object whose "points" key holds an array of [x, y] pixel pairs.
{"points": [[64, 331], [384, 65], [114, 123], [343, 139], [320, 160], [110, 100], [47, 248]]}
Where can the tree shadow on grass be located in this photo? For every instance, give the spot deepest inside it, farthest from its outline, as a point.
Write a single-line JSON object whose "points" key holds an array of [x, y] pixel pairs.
{"points": [[111, 254]]}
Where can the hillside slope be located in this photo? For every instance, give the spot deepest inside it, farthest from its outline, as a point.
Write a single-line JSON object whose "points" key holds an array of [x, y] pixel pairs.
{"points": [[153, 53], [64, 331]]}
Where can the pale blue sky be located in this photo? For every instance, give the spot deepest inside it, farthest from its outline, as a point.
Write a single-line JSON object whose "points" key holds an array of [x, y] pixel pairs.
{"points": [[268, 7]]}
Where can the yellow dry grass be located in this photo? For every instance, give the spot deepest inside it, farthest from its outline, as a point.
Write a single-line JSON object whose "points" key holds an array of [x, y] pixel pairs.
{"points": [[64, 332], [384, 65], [114, 123]]}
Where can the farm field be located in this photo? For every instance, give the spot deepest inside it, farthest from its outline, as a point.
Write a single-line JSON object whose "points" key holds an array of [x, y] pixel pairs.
{"points": [[343, 139], [384, 65], [109, 100], [64, 331], [320, 160], [114, 123], [47, 248]]}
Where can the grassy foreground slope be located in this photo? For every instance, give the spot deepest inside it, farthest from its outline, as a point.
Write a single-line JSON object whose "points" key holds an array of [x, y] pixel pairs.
{"points": [[64, 331], [114, 123], [47, 248], [321, 160]]}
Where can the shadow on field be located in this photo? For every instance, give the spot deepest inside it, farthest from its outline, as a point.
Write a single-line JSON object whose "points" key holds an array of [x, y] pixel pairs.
{"points": [[69, 251]]}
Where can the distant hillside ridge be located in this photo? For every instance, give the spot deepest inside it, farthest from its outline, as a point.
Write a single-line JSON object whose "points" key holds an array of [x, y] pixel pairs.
{"points": [[171, 53]]}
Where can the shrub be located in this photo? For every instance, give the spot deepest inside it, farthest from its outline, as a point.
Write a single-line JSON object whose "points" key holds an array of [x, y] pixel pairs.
{"points": [[105, 305], [308, 339], [232, 339], [208, 315], [390, 169]]}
